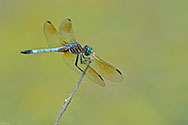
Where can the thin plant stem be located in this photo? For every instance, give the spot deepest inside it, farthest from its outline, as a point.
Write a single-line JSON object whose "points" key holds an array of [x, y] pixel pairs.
{"points": [[68, 100]]}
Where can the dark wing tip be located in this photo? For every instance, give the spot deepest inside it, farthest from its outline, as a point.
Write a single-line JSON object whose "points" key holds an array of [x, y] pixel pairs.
{"points": [[101, 80], [121, 76], [48, 22], [101, 77], [26, 52], [118, 71], [69, 19]]}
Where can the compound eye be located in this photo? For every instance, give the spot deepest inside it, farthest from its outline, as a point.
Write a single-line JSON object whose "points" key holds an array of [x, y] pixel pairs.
{"points": [[88, 51]]}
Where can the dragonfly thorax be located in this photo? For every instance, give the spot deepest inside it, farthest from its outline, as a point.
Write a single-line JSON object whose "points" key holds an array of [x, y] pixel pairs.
{"points": [[87, 50]]}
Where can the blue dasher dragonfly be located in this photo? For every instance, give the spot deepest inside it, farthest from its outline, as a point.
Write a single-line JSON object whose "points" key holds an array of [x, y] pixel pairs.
{"points": [[75, 55]]}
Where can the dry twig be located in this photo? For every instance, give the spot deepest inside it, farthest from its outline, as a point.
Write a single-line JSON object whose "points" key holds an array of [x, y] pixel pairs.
{"points": [[68, 100]]}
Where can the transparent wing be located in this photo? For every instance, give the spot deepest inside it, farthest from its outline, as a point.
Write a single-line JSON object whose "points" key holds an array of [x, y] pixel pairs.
{"points": [[66, 31], [94, 76], [106, 70], [52, 36], [91, 74]]}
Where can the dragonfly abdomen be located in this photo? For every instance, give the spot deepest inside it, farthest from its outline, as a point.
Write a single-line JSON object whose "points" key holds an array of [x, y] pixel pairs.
{"points": [[40, 51]]}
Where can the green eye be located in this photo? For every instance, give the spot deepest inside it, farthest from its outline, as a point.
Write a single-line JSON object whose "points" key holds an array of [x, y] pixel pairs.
{"points": [[88, 51]]}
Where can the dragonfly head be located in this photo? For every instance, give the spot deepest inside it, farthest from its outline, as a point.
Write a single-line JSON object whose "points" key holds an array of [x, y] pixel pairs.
{"points": [[87, 50]]}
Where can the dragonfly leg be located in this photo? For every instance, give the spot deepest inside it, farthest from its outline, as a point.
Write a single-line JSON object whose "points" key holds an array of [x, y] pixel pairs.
{"points": [[81, 59], [84, 59], [76, 63]]}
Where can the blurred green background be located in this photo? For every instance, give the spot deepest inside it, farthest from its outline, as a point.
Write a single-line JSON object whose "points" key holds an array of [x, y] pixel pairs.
{"points": [[147, 40]]}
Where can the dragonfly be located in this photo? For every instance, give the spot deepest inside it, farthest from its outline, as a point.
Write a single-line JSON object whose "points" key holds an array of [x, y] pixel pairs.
{"points": [[75, 55]]}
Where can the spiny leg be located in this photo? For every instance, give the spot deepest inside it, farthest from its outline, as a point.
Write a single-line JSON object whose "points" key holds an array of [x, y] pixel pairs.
{"points": [[76, 63], [81, 59]]}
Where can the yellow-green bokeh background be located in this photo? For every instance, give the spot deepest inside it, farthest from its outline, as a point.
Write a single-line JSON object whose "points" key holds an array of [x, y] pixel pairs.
{"points": [[147, 40]]}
